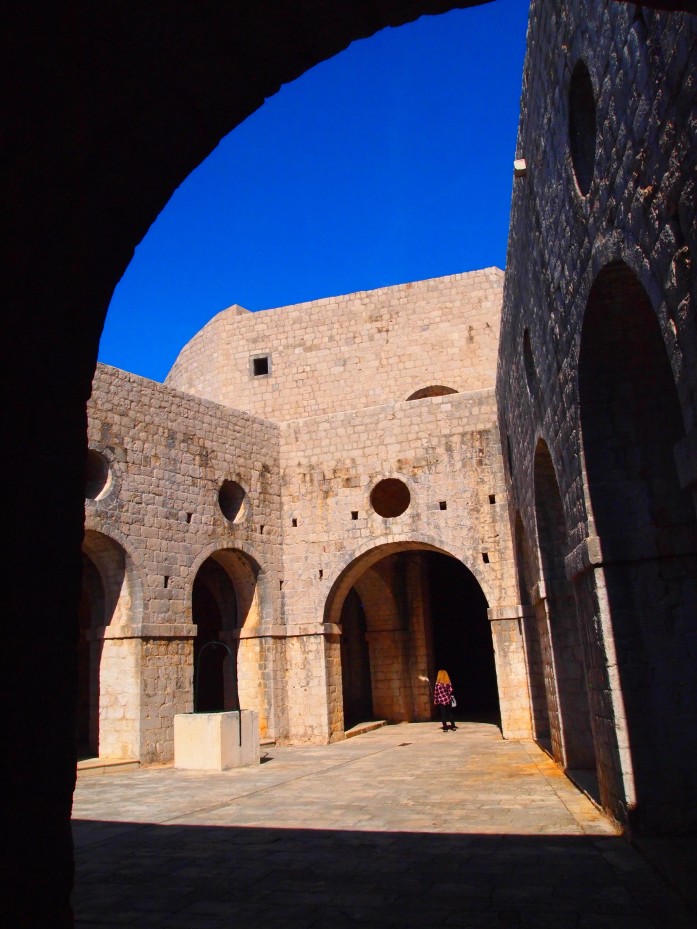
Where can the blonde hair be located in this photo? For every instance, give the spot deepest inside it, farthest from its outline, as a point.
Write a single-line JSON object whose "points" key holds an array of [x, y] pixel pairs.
{"points": [[443, 678]]}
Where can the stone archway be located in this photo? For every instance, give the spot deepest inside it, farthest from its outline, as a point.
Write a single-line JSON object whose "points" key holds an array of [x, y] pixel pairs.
{"points": [[79, 196], [559, 632], [227, 606], [642, 526], [108, 723], [405, 611]]}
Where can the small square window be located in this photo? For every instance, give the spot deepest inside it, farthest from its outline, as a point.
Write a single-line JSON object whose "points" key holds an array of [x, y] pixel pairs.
{"points": [[443, 505], [354, 514], [261, 365]]}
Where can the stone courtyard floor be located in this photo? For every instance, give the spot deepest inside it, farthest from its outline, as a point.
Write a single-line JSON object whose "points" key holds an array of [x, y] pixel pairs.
{"points": [[404, 826]]}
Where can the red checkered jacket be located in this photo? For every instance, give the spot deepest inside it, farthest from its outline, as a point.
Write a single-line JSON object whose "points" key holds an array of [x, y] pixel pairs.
{"points": [[442, 693]]}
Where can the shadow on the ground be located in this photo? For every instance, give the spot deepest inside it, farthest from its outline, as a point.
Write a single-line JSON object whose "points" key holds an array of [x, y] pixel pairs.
{"points": [[191, 877]]}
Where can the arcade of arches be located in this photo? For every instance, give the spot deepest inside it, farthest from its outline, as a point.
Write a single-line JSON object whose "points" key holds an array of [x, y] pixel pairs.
{"points": [[600, 473]]}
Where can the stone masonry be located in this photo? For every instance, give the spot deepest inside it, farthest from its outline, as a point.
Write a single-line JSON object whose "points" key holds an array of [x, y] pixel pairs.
{"points": [[290, 488], [596, 397], [304, 530]]}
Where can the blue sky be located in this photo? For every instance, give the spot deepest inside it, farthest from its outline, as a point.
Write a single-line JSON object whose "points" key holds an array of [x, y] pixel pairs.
{"points": [[391, 162]]}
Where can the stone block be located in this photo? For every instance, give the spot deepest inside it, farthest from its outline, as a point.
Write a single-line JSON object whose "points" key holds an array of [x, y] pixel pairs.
{"points": [[216, 741]]}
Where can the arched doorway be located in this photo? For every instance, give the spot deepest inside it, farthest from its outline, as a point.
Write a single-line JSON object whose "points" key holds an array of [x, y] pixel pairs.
{"points": [[647, 535], [405, 611], [214, 612], [56, 315], [226, 607], [462, 642], [558, 627], [108, 656]]}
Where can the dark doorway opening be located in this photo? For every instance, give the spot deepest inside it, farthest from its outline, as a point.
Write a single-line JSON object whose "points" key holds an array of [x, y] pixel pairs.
{"points": [[355, 663], [462, 642], [631, 422], [214, 610], [407, 615]]}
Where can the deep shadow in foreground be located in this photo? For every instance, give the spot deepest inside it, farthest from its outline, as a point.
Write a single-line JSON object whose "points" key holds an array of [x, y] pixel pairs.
{"points": [[190, 877]]}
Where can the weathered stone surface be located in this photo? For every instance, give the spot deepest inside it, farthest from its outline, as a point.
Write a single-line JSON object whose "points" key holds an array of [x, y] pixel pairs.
{"points": [[597, 381], [298, 526]]}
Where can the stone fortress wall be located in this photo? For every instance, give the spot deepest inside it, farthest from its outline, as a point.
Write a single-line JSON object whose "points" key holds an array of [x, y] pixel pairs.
{"points": [[306, 516], [348, 352], [596, 391], [149, 527], [565, 489]]}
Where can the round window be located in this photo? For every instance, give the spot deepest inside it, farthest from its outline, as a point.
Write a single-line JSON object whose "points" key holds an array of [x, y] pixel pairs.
{"points": [[98, 475], [390, 498], [232, 499]]}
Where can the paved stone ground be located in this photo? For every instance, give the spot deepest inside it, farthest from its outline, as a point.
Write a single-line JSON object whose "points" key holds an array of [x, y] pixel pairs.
{"points": [[405, 826]]}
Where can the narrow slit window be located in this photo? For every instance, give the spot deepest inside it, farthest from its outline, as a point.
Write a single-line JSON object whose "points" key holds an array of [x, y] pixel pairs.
{"points": [[485, 557]]}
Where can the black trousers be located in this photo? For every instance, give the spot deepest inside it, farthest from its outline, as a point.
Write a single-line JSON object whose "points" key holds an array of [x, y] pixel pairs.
{"points": [[446, 714]]}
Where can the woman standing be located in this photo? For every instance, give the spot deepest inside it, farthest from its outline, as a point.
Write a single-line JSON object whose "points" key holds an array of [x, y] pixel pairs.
{"points": [[443, 699]]}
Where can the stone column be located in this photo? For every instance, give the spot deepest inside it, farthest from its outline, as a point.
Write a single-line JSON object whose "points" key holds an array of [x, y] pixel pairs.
{"points": [[511, 671], [166, 652]]}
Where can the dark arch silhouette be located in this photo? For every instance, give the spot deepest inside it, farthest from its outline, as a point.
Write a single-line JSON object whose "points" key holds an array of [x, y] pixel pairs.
{"points": [[559, 632], [645, 523], [113, 105], [436, 390]]}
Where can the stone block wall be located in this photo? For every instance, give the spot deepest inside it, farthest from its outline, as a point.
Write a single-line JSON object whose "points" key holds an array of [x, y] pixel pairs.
{"points": [[447, 451], [349, 352], [604, 223], [307, 515], [168, 455]]}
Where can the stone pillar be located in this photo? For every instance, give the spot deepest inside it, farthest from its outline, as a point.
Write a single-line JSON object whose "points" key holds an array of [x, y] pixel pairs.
{"points": [[334, 692], [167, 685], [312, 674], [538, 596], [420, 640], [119, 694], [511, 670], [261, 661]]}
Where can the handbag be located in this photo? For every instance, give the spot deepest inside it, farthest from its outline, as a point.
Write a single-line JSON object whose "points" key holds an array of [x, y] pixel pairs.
{"points": [[453, 701]]}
